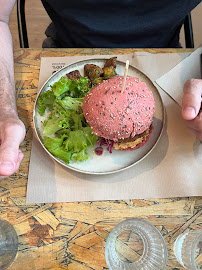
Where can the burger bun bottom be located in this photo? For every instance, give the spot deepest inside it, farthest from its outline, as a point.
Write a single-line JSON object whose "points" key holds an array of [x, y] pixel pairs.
{"points": [[145, 140]]}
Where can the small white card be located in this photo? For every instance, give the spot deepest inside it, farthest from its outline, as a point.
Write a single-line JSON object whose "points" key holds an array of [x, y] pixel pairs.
{"points": [[173, 81]]}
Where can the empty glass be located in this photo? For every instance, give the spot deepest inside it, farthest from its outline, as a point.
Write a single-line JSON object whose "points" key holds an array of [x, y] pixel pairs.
{"points": [[188, 249], [135, 244], [8, 244]]}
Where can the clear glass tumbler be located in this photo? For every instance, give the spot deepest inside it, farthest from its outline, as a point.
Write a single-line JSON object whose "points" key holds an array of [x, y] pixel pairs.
{"points": [[188, 249], [8, 244], [136, 244]]}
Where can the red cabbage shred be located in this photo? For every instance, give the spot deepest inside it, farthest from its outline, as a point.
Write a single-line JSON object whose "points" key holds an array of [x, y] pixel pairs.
{"points": [[99, 151], [109, 143]]}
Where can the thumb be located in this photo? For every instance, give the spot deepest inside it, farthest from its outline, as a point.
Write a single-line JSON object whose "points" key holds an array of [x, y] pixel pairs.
{"points": [[10, 156], [8, 168], [191, 101]]}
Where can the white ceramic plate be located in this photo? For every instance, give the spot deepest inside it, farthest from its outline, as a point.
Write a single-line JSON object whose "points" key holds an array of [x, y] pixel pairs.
{"points": [[119, 160]]}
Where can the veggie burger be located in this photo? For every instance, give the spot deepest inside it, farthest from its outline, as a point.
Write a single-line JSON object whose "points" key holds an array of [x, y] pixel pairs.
{"points": [[123, 119]]}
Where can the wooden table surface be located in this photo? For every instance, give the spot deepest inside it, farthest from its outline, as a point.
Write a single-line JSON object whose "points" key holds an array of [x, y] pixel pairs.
{"points": [[73, 235]]}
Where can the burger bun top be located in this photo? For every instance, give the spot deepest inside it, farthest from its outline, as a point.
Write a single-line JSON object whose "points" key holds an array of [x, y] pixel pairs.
{"points": [[114, 115]]}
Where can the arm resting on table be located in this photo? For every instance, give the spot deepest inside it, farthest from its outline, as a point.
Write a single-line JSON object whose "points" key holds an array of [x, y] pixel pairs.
{"points": [[12, 130]]}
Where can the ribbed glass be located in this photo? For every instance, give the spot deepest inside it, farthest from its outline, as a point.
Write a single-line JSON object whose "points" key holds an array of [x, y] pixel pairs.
{"points": [[154, 252], [187, 249]]}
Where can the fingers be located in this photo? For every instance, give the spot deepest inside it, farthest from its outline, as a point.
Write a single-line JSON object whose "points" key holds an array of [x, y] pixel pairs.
{"points": [[20, 158], [198, 134], [191, 101], [191, 104], [195, 126]]}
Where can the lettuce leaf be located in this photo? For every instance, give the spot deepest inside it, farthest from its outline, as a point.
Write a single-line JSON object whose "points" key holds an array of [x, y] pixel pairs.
{"points": [[69, 103], [55, 147], [63, 120], [74, 88], [46, 100], [82, 155], [60, 87], [55, 123], [80, 140], [72, 145], [66, 121]]}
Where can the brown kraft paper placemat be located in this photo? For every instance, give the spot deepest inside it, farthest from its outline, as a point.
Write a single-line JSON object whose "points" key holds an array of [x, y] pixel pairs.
{"points": [[172, 169]]}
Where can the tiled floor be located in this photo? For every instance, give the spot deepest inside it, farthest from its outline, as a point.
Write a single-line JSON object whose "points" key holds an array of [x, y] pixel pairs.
{"points": [[37, 21]]}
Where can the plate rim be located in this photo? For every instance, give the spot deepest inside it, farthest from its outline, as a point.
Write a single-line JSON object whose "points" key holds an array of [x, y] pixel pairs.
{"points": [[67, 166]]}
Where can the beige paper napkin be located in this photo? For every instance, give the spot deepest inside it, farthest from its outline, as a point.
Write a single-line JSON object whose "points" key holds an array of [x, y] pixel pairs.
{"points": [[173, 81], [172, 169]]}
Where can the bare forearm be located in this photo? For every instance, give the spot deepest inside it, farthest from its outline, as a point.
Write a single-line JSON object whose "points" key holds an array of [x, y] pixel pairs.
{"points": [[7, 85], [12, 130]]}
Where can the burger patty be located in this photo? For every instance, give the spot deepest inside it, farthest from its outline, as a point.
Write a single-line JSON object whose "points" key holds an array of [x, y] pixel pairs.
{"points": [[133, 142]]}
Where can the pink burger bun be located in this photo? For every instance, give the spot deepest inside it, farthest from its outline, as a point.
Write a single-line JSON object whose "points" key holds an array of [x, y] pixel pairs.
{"points": [[121, 117]]}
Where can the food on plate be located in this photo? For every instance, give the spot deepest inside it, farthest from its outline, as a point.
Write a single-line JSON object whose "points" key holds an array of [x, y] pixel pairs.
{"points": [[97, 81], [111, 62], [97, 74], [92, 71], [75, 74], [66, 133], [124, 120], [79, 112], [109, 72]]}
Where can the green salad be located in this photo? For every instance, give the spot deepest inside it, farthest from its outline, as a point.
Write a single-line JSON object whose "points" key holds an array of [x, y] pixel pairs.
{"points": [[72, 134]]}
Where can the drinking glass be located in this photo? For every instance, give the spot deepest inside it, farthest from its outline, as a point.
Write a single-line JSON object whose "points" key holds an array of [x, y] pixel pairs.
{"points": [[8, 244], [136, 244], [188, 249]]}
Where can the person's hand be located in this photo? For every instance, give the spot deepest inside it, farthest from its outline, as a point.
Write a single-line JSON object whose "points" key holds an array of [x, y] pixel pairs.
{"points": [[191, 103], [12, 133]]}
